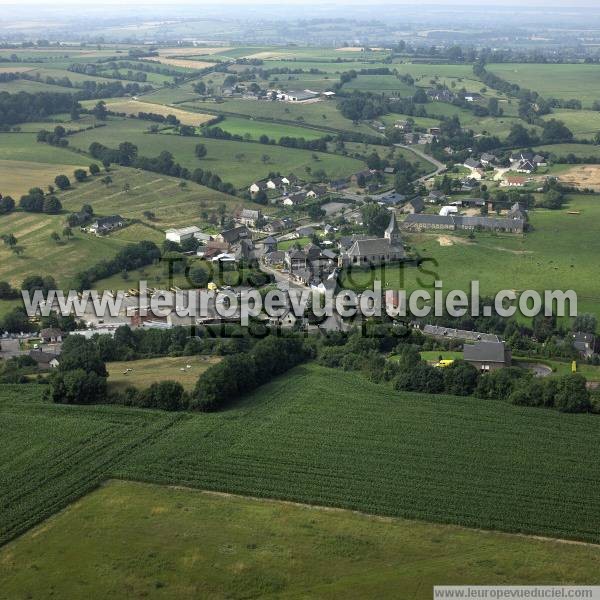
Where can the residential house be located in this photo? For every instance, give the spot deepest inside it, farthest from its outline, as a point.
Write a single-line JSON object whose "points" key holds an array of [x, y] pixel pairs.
{"points": [[390, 198], [487, 159], [104, 225], [487, 356], [305, 232], [515, 181], [232, 236], [584, 343], [51, 335], [526, 166], [258, 186], [250, 217], [421, 222], [414, 206], [45, 360], [269, 244], [389, 170], [274, 226], [471, 163], [360, 177], [405, 126], [436, 196], [295, 199], [275, 183]]}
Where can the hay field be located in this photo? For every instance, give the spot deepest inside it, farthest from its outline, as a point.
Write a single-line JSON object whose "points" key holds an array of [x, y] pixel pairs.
{"points": [[133, 107]]}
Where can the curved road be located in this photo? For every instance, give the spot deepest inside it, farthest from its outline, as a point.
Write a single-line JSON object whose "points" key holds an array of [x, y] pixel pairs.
{"points": [[439, 166]]}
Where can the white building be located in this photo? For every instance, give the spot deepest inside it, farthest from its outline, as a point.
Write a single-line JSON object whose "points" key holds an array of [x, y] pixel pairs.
{"points": [[183, 234], [446, 210]]}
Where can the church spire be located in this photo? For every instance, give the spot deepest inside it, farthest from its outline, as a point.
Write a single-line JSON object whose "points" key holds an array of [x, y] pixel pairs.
{"points": [[392, 232]]}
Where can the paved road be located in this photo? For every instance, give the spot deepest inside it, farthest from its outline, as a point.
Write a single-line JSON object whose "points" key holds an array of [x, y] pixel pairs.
{"points": [[439, 166]]}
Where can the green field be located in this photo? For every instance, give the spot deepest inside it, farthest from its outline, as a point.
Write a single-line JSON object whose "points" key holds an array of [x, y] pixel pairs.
{"points": [[565, 81], [555, 255], [214, 545], [240, 163], [380, 83], [253, 128], [319, 114], [172, 205], [152, 370], [561, 150], [23, 146], [583, 123], [355, 445]]}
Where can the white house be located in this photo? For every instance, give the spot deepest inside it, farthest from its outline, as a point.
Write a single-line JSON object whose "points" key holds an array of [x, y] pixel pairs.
{"points": [[183, 234], [446, 210]]}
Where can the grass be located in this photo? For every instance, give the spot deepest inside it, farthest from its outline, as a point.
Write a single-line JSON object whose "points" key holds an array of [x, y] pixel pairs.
{"points": [[240, 163], [23, 147], [566, 81], [172, 205], [555, 255], [148, 371], [253, 128], [583, 123], [229, 546], [355, 445], [380, 83], [319, 114], [562, 150], [18, 176]]}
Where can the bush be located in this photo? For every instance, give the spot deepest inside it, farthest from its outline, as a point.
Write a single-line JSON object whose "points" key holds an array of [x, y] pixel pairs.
{"points": [[165, 395], [460, 378], [62, 182], [572, 394], [77, 387]]}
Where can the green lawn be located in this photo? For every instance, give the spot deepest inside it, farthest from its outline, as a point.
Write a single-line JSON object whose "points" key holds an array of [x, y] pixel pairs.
{"points": [[562, 150], [566, 81], [583, 123], [23, 146], [240, 163], [219, 546], [555, 255]]}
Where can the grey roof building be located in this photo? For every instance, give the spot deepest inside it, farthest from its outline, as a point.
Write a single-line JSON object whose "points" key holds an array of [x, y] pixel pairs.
{"points": [[487, 356]]}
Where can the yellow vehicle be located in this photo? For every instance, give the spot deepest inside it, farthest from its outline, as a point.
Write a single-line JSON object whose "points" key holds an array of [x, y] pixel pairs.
{"points": [[574, 367], [445, 362], [212, 287]]}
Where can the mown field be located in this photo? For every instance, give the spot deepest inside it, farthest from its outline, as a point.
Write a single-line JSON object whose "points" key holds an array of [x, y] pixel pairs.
{"points": [[133, 107], [152, 370], [581, 81], [214, 545], [240, 163], [555, 255], [24, 147], [355, 445]]}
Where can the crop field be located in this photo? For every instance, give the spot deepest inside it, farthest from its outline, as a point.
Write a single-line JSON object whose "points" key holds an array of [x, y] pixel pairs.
{"points": [[335, 553], [240, 163], [316, 82], [183, 62], [152, 370], [319, 114], [133, 107], [361, 446], [53, 454], [555, 255], [32, 87], [566, 81], [275, 131]]}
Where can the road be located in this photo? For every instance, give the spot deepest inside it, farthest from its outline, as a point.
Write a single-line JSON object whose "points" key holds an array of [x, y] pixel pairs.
{"points": [[439, 166]]}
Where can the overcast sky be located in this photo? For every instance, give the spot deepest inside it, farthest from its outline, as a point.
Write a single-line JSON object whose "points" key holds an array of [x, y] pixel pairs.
{"points": [[198, 4]]}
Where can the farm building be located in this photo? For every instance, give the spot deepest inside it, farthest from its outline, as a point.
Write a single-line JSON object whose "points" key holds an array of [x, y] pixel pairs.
{"points": [[104, 225], [181, 235]]}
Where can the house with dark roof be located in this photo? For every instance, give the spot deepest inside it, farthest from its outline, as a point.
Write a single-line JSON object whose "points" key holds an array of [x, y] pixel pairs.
{"points": [[104, 225], [487, 356], [392, 198], [584, 343], [250, 217], [414, 206], [487, 159], [359, 176], [51, 335], [232, 236], [420, 222], [471, 163], [45, 360]]}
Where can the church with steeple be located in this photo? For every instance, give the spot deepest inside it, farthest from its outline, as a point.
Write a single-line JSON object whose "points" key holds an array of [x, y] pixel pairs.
{"points": [[366, 251]]}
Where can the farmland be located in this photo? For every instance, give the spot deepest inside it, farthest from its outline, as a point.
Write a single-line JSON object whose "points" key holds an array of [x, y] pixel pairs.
{"points": [[361, 446], [275, 131], [145, 372], [133, 107], [335, 553], [555, 251], [564, 81], [240, 163]]}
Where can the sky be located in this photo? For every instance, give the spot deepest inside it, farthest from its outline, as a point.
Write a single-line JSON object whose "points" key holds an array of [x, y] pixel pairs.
{"points": [[333, 3]]}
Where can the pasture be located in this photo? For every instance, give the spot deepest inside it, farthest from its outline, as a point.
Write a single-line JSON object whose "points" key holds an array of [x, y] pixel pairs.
{"points": [[172, 205], [563, 150], [228, 546], [555, 255], [319, 114], [240, 163], [389, 84], [565, 81], [24, 147], [254, 129], [355, 445], [584, 124], [148, 371]]}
